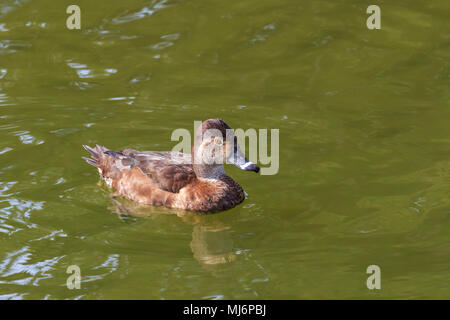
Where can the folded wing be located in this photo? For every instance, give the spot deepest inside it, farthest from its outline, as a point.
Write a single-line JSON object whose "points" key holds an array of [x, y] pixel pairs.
{"points": [[170, 171]]}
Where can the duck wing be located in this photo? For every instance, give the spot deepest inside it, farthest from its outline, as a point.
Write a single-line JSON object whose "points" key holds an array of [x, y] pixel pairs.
{"points": [[170, 171]]}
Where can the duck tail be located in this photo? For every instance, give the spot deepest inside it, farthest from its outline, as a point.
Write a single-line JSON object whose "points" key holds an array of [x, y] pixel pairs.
{"points": [[96, 154], [109, 163]]}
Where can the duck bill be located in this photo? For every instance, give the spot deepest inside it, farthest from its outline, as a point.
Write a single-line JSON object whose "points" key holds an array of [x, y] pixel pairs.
{"points": [[240, 161], [238, 158], [248, 166]]}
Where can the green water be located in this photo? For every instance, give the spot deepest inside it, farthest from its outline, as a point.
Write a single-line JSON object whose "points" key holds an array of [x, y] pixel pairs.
{"points": [[364, 173]]}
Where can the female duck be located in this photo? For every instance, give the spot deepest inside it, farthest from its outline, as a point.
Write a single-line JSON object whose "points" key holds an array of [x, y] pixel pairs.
{"points": [[178, 180]]}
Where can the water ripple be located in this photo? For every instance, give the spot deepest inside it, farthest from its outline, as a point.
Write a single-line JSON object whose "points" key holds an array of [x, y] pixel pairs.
{"points": [[11, 46], [5, 150], [142, 13], [19, 262]]}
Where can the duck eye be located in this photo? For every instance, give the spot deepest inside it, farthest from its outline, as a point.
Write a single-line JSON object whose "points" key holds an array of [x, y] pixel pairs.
{"points": [[218, 141]]}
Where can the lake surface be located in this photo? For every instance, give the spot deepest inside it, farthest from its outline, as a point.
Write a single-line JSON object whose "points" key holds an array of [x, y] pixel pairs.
{"points": [[364, 175]]}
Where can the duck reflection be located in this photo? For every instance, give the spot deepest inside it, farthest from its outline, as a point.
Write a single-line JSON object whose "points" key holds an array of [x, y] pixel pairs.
{"points": [[211, 244]]}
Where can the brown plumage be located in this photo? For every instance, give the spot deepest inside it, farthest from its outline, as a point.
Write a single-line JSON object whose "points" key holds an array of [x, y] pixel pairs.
{"points": [[174, 179]]}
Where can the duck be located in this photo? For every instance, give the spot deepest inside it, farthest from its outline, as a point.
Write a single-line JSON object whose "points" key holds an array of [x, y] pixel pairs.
{"points": [[193, 182]]}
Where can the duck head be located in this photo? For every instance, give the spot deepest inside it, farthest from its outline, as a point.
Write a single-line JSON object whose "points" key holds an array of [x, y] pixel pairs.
{"points": [[214, 145]]}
